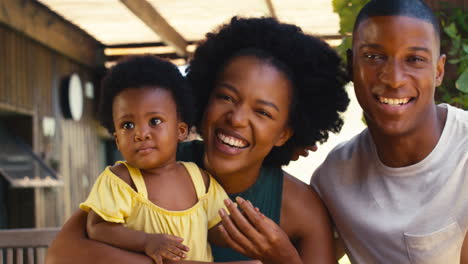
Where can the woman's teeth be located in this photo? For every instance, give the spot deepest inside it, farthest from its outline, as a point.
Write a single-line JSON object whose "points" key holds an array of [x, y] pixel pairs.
{"points": [[394, 101], [231, 141]]}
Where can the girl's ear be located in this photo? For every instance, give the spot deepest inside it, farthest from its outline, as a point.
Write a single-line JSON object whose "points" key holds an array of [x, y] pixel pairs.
{"points": [[116, 140], [285, 136], [182, 128]]}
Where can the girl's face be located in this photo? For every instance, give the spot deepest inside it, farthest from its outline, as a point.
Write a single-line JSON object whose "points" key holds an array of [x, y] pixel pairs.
{"points": [[147, 127], [247, 115]]}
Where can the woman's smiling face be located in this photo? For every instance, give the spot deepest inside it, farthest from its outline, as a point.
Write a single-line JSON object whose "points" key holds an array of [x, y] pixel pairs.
{"points": [[246, 116]]}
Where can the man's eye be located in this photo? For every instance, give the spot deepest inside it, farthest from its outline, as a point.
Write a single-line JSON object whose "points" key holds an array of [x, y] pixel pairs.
{"points": [[416, 59], [128, 125], [373, 56], [155, 121]]}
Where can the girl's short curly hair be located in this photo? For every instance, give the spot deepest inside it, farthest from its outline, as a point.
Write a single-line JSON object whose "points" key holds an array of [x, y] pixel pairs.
{"points": [[142, 71], [316, 71]]}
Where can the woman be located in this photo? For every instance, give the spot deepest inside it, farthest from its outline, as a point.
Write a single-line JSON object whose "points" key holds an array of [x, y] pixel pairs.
{"points": [[267, 90]]}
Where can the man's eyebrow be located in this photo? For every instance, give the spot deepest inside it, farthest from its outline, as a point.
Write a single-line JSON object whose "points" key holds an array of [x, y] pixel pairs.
{"points": [[370, 45], [418, 48]]}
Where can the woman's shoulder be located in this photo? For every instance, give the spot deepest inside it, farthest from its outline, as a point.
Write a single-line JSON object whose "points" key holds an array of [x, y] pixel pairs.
{"points": [[300, 205]]}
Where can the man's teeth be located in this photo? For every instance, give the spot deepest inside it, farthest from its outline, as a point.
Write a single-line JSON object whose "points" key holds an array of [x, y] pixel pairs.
{"points": [[394, 101], [232, 141]]}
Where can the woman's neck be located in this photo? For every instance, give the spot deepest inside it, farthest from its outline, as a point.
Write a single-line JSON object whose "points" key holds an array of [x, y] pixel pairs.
{"points": [[238, 181]]}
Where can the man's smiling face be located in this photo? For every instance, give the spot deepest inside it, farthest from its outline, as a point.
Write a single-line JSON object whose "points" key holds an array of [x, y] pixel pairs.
{"points": [[396, 66]]}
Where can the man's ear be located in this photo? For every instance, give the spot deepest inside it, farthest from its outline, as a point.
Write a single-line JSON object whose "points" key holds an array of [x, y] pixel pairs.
{"points": [[349, 62], [182, 129], [440, 70], [285, 136], [116, 140]]}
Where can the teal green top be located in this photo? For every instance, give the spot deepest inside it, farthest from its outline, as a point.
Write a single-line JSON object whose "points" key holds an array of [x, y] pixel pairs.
{"points": [[266, 193]]}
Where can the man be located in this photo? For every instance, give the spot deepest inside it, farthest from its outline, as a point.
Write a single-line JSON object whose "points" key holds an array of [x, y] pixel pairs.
{"points": [[398, 191]]}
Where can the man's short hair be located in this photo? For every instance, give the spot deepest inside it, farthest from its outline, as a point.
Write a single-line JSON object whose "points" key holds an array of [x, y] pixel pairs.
{"points": [[409, 8]]}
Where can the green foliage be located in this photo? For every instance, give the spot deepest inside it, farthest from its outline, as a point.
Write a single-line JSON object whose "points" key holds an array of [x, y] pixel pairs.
{"points": [[347, 10], [454, 23]]}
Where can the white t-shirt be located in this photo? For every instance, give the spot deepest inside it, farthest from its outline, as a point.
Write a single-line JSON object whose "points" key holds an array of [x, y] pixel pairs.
{"points": [[415, 214]]}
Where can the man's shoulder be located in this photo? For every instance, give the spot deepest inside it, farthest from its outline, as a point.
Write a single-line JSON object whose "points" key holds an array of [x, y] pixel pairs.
{"points": [[347, 150]]}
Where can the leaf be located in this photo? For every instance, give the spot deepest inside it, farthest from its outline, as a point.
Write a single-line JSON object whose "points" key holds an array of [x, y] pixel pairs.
{"points": [[454, 61], [465, 48], [462, 83], [451, 30]]}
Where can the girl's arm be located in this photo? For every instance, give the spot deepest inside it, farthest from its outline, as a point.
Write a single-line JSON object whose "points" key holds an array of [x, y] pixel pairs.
{"points": [[72, 246], [157, 246]]}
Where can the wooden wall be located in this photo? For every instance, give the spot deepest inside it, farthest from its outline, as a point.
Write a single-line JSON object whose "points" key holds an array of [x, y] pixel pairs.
{"points": [[436, 4], [30, 76]]}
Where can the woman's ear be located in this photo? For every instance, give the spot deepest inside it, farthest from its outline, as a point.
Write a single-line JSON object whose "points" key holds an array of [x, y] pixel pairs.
{"points": [[285, 136], [182, 129]]}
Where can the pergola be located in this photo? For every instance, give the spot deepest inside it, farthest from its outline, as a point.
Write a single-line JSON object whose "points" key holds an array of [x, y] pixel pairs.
{"points": [[171, 28]]}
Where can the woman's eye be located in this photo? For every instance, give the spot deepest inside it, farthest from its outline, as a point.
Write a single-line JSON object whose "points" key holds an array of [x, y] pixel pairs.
{"points": [[264, 113], [155, 121], [128, 125], [224, 97]]}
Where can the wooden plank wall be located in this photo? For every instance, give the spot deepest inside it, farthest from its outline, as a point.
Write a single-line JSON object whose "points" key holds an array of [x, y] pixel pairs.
{"points": [[30, 76], [436, 4]]}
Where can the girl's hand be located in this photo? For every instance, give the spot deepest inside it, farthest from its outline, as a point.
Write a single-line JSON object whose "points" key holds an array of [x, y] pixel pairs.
{"points": [[163, 246], [255, 235]]}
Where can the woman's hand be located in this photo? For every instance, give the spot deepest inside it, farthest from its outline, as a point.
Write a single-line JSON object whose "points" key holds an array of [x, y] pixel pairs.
{"points": [[255, 235]]}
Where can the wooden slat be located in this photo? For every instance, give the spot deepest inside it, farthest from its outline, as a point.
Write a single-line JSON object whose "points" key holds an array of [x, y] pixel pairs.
{"points": [[40, 253], [44, 26], [9, 256], [28, 237], [19, 256], [30, 254], [1, 256], [271, 8], [151, 17]]}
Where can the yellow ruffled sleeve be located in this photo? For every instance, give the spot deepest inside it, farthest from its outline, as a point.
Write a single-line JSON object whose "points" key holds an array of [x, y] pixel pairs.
{"points": [[215, 201], [111, 198]]}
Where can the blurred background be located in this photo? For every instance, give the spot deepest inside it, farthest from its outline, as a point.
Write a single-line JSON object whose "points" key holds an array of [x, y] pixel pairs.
{"points": [[53, 54]]}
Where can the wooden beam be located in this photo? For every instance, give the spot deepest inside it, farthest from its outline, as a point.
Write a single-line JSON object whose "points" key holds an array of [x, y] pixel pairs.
{"points": [[151, 17], [44, 26], [271, 8]]}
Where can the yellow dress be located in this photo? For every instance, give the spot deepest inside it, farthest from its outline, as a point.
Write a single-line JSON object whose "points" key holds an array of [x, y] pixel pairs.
{"points": [[115, 201]]}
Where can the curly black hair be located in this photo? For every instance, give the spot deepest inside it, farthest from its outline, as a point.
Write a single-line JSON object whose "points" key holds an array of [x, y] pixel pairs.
{"points": [[141, 71], [313, 67]]}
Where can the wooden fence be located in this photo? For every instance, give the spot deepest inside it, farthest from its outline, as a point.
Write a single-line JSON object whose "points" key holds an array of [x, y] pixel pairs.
{"points": [[25, 246]]}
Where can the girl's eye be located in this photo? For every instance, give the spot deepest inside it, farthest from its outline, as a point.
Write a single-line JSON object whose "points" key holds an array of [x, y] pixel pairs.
{"points": [[155, 121], [127, 125]]}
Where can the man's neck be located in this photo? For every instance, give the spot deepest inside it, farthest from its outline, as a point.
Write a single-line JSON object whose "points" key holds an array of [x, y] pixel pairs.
{"points": [[413, 147]]}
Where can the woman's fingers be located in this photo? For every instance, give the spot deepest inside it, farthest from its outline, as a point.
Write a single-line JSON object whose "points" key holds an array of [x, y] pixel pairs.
{"points": [[242, 223], [233, 231], [253, 215], [231, 243]]}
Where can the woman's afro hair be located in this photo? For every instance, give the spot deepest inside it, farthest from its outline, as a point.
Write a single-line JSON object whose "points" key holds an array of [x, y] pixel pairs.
{"points": [[314, 68]]}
